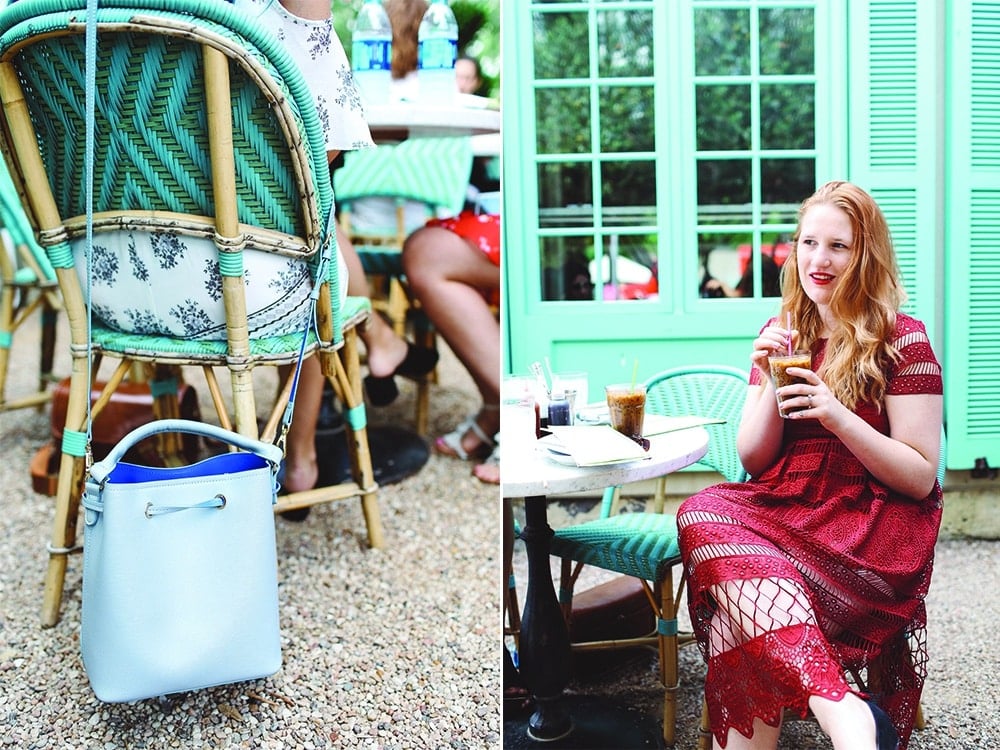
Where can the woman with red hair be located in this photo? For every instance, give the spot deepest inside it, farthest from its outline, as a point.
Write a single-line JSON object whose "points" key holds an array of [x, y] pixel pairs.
{"points": [[818, 566]]}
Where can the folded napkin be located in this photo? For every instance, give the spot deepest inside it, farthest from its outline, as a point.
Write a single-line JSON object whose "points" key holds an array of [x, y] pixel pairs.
{"points": [[594, 445]]}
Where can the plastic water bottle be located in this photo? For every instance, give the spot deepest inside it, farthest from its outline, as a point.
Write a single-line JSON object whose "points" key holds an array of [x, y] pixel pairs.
{"points": [[438, 50], [371, 52]]}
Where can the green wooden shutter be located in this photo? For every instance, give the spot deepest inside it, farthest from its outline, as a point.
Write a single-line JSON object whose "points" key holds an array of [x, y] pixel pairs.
{"points": [[894, 144], [972, 319]]}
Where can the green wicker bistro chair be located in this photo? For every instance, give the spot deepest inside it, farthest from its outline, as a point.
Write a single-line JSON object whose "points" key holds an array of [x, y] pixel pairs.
{"points": [[644, 545], [213, 240], [420, 177], [28, 287]]}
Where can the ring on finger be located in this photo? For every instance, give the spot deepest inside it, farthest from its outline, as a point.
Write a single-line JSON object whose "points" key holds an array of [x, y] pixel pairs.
{"points": [[810, 400]]}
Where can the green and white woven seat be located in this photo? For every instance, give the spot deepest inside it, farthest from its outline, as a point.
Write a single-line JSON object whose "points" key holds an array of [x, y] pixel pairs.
{"points": [[212, 226], [644, 545]]}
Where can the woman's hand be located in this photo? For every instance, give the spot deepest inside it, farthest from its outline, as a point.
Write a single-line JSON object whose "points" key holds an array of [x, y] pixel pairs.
{"points": [[811, 399], [771, 340]]}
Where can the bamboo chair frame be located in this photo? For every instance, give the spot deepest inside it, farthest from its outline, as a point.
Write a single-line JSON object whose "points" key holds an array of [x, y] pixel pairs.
{"points": [[28, 287], [219, 43]]}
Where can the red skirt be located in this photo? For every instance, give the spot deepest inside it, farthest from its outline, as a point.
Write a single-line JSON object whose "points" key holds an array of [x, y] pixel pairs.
{"points": [[482, 230]]}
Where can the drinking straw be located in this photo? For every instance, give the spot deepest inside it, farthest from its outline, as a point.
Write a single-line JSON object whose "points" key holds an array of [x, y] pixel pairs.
{"points": [[548, 367], [635, 373], [788, 325], [536, 370]]}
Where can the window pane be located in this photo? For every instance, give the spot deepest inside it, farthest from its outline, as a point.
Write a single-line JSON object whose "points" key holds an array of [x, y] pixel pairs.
{"points": [[722, 42], [562, 48], [625, 43], [628, 193], [565, 268], [787, 182], [563, 185], [632, 275], [723, 183], [787, 116], [786, 41], [563, 120], [627, 118], [720, 262], [722, 117]]}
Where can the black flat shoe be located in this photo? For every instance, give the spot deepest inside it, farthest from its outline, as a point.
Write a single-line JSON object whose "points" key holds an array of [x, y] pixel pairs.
{"points": [[886, 736], [418, 362]]}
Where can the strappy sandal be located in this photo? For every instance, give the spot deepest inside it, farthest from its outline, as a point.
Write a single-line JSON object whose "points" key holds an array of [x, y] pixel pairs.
{"points": [[451, 444]]}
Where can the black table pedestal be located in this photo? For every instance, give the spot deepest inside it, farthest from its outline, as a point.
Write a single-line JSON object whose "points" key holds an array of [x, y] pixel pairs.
{"points": [[544, 650]]}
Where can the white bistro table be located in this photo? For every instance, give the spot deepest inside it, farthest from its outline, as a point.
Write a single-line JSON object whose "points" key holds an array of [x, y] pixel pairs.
{"points": [[412, 120], [544, 648]]}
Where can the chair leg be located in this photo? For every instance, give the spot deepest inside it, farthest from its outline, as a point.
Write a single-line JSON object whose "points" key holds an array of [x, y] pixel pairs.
{"points": [[425, 336], [666, 627], [347, 383], [69, 490]]}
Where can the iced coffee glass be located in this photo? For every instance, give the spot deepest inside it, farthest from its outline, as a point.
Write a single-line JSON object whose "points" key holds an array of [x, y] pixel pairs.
{"points": [[779, 364], [626, 406]]}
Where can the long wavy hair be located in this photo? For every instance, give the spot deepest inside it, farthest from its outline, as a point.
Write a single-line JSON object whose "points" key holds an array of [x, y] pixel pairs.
{"points": [[867, 297]]}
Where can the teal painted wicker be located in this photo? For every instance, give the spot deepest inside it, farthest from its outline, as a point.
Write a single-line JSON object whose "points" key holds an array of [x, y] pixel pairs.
{"points": [[434, 171], [431, 171], [636, 544], [16, 223], [273, 349], [157, 158], [707, 391]]}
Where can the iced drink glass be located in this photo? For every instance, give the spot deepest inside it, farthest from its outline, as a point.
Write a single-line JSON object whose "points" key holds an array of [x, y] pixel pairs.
{"points": [[780, 363], [626, 406]]}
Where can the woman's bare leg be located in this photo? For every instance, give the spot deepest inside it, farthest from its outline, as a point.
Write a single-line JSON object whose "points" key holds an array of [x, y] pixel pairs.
{"points": [[449, 276], [765, 737], [301, 469]]}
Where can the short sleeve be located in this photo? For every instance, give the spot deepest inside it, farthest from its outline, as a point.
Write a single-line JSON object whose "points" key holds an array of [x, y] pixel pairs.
{"points": [[917, 370]]}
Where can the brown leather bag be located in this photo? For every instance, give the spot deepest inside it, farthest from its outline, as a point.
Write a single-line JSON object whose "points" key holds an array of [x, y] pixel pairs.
{"points": [[131, 406]]}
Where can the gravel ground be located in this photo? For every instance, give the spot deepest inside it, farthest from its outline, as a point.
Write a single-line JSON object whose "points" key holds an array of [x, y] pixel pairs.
{"points": [[391, 648]]}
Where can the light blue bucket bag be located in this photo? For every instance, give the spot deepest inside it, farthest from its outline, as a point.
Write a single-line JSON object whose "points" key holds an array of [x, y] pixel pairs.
{"points": [[180, 587]]}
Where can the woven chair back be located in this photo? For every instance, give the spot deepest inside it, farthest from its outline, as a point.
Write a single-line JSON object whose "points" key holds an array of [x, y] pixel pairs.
{"points": [[169, 167], [432, 171], [707, 391]]}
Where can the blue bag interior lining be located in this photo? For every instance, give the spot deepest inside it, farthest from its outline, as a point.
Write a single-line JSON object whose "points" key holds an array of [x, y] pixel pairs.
{"points": [[226, 463]]}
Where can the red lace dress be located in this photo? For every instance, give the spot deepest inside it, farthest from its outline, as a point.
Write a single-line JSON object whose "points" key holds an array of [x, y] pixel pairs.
{"points": [[812, 569]]}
